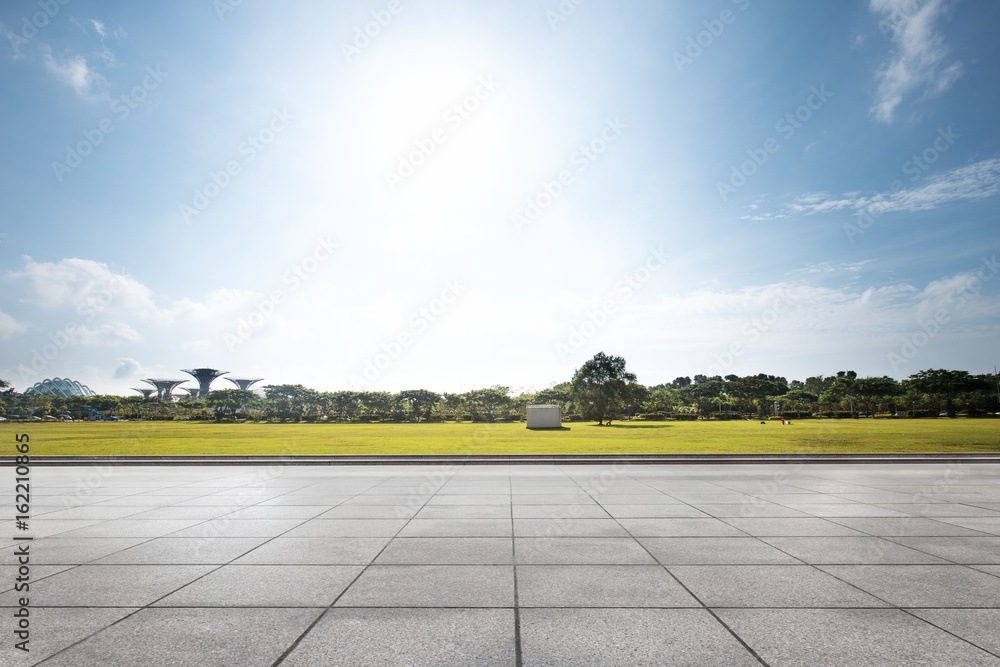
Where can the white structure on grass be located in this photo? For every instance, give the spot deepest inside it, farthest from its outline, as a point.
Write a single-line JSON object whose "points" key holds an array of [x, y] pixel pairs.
{"points": [[544, 416]]}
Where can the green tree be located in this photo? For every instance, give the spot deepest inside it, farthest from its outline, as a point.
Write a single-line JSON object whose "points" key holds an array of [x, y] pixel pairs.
{"points": [[486, 403], [662, 399], [872, 391], [229, 402], [602, 386], [945, 385], [421, 401]]}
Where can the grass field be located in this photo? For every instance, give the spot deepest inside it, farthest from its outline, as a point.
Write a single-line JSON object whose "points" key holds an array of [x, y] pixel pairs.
{"points": [[808, 436]]}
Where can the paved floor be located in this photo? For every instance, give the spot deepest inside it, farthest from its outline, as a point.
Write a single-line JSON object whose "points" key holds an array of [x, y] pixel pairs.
{"points": [[506, 565]]}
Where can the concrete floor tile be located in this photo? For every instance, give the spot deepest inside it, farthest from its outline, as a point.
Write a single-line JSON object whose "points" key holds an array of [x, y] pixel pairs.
{"points": [[54, 628], [71, 551], [714, 551], [457, 528], [849, 638], [908, 526], [599, 586], [978, 626], [133, 528], [390, 637], [184, 550], [984, 524], [568, 527], [559, 512], [347, 528], [580, 551], [966, 550], [674, 527], [922, 585], [769, 586], [635, 637], [316, 551], [464, 512], [850, 551], [266, 586], [653, 511], [448, 551], [432, 586], [225, 526], [789, 527], [370, 512], [109, 585], [218, 637]]}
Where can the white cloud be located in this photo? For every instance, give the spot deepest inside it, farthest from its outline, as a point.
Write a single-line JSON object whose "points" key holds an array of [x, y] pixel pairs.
{"points": [[86, 286], [76, 73], [918, 57], [106, 335], [127, 369], [99, 27], [9, 327], [975, 181]]}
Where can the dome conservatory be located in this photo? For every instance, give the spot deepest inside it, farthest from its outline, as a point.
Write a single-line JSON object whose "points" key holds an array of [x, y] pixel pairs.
{"points": [[62, 387]]}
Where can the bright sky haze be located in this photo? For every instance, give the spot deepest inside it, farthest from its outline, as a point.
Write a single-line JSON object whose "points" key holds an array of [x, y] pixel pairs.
{"points": [[389, 195]]}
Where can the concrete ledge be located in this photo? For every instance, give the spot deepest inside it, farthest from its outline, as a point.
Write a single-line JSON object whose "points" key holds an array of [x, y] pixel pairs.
{"points": [[512, 459]]}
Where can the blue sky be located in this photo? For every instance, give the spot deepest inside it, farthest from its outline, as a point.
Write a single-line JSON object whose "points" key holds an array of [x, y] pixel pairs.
{"points": [[386, 195]]}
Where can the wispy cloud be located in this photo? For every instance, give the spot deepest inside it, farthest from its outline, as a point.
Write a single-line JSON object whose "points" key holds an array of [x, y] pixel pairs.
{"points": [[975, 181], [918, 59], [9, 326], [76, 73], [99, 27]]}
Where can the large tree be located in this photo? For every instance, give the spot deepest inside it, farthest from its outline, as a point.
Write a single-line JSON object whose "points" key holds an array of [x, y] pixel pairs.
{"points": [[945, 385], [602, 386], [421, 401], [228, 402]]}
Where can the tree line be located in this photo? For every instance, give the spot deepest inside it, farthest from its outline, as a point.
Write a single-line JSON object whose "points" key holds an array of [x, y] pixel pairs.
{"points": [[601, 389]]}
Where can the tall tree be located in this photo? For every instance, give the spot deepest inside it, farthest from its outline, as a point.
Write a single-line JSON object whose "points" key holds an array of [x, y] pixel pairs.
{"points": [[602, 386], [421, 401], [945, 385]]}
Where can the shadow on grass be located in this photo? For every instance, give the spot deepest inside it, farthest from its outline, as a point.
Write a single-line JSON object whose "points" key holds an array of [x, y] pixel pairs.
{"points": [[617, 426], [557, 429]]}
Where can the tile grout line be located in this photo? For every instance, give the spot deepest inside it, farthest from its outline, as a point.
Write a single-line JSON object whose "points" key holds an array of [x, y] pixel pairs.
{"points": [[719, 620], [298, 640]]}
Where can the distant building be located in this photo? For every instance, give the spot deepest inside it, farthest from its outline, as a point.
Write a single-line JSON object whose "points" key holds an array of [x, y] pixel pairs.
{"points": [[61, 387]]}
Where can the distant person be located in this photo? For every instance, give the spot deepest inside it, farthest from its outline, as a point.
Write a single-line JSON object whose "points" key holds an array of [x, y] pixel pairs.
{"points": [[609, 422]]}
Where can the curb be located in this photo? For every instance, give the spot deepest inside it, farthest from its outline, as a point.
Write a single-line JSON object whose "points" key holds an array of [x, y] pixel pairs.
{"points": [[514, 459]]}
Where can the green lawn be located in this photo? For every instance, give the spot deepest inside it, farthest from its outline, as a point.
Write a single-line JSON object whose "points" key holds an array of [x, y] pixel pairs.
{"points": [[807, 436]]}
